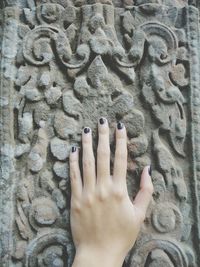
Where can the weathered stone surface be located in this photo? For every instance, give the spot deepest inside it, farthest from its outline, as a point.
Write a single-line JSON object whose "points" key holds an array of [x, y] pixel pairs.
{"points": [[59, 148], [60, 169], [63, 65]]}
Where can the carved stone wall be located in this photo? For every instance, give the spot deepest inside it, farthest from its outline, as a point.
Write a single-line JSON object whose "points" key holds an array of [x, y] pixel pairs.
{"points": [[63, 65]]}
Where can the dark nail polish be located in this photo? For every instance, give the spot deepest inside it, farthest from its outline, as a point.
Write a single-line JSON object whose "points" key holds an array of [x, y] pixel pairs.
{"points": [[73, 149], [120, 125], [150, 170], [86, 130], [102, 120]]}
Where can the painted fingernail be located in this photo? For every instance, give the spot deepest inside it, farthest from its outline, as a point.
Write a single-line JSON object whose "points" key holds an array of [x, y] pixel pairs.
{"points": [[150, 170], [120, 125], [102, 121], [73, 149], [86, 130]]}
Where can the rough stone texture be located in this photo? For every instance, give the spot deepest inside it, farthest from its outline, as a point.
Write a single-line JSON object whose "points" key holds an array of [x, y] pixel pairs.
{"points": [[63, 65]]}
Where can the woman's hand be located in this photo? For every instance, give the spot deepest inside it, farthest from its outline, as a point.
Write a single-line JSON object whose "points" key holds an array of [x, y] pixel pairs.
{"points": [[104, 221]]}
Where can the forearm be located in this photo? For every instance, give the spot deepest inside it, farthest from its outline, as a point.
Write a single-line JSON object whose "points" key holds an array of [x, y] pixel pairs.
{"points": [[97, 259]]}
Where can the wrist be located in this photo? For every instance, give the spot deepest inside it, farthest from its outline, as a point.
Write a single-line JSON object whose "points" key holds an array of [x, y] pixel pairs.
{"points": [[86, 257]]}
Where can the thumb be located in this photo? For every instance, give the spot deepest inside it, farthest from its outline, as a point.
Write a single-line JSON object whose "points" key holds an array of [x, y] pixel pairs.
{"points": [[144, 195]]}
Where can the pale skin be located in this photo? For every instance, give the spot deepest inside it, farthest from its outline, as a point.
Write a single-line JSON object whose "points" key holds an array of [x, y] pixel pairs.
{"points": [[105, 222]]}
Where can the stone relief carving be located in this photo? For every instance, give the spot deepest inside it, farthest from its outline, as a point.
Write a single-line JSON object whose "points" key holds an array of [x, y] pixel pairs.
{"points": [[127, 60]]}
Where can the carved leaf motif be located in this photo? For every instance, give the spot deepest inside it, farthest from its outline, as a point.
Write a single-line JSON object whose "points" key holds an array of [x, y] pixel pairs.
{"points": [[46, 181], [19, 250], [31, 4], [180, 186], [23, 224], [164, 158], [137, 48], [37, 156], [128, 22], [71, 33], [166, 102], [125, 62], [23, 75], [49, 13], [167, 166], [177, 75], [22, 228], [69, 102], [30, 17], [178, 129], [97, 72], [169, 113]]}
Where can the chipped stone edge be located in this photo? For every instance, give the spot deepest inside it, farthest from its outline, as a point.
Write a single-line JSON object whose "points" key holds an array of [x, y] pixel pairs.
{"points": [[7, 161], [194, 54]]}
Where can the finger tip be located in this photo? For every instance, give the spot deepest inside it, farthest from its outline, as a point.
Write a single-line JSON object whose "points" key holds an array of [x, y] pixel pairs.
{"points": [[86, 130], [102, 121], [73, 152], [120, 130], [147, 170], [103, 126], [146, 177], [120, 125], [73, 149]]}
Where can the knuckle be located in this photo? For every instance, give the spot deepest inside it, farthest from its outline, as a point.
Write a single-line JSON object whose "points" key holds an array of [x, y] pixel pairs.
{"points": [[72, 174], [76, 207], [103, 152], [121, 153], [102, 194], [121, 141], [118, 194], [72, 160], [88, 163], [88, 200]]}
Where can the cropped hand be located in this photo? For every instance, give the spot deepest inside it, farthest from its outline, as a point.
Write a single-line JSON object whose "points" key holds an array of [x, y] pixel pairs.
{"points": [[105, 222]]}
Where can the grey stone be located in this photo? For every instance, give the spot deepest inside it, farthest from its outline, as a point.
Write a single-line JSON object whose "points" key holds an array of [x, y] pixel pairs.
{"points": [[33, 94], [52, 95], [60, 148], [65, 126], [69, 102], [35, 161], [3, 101], [59, 199], [25, 126], [61, 169], [21, 149], [65, 64]]}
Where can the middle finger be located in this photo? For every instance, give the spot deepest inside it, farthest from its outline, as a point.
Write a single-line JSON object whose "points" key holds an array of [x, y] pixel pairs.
{"points": [[89, 175]]}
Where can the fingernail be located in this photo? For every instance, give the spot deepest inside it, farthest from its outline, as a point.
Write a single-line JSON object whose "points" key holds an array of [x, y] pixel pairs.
{"points": [[150, 170], [73, 149], [102, 121], [86, 130], [120, 125]]}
